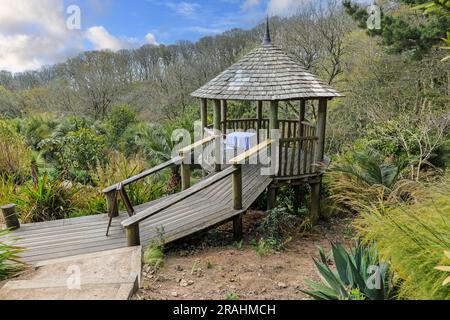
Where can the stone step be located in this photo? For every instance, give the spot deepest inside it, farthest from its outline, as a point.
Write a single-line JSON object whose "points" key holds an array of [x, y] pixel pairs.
{"points": [[107, 275]]}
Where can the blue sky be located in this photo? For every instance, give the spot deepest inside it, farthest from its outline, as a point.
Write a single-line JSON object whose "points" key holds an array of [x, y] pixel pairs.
{"points": [[170, 20], [34, 33]]}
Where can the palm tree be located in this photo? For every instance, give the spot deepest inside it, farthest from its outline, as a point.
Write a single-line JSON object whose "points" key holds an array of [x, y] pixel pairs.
{"points": [[371, 168]]}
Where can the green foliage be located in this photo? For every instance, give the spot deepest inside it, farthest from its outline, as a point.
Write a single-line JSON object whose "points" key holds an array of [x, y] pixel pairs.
{"points": [[264, 247], [76, 152], [36, 128], [404, 31], [119, 120], [15, 155], [118, 168], [371, 168], [47, 200], [358, 275], [9, 260], [232, 296], [413, 238], [154, 256], [276, 226]]}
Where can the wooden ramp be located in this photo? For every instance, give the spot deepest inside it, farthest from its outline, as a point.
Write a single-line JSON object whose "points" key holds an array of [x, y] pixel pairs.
{"points": [[207, 208]]}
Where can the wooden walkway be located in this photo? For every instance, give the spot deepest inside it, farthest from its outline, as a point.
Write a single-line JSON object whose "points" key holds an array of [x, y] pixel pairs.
{"points": [[207, 208]]}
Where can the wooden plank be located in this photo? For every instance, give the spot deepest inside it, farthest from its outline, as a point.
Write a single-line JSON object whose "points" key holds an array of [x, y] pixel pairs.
{"points": [[177, 198]]}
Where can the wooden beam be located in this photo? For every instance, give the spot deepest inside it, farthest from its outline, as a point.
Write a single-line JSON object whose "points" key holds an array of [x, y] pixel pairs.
{"points": [[204, 114], [250, 152], [10, 216], [224, 108], [321, 125], [301, 117], [195, 145], [237, 228], [237, 187], [259, 116], [271, 197], [217, 128], [185, 176], [111, 203], [274, 123], [133, 237]]}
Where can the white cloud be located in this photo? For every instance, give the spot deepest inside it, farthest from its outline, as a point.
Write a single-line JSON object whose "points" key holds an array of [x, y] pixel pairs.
{"points": [[101, 39], [250, 4], [184, 8], [204, 30], [34, 33], [151, 39], [285, 7]]}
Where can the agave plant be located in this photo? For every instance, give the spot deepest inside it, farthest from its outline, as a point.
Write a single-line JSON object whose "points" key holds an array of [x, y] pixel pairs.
{"points": [[359, 275]]}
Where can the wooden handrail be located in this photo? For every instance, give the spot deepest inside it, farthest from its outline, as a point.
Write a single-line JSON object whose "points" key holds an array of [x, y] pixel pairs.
{"points": [[252, 151], [298, 139], [197, 144], [149, 212], [144, 174]]}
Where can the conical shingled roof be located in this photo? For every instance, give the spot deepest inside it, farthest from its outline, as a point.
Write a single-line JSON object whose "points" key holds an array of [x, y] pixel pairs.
{"points": [[266, 74]]}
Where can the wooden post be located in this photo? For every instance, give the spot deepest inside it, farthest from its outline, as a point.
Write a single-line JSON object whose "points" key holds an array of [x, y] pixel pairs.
{"points": [[301, 117], [204, 115], [133, 238], [271, 197], [112, 205], [10, 216], [321, 124], [314, 208], [185, 176], [274, 124], [224, 107], [237, 187], [217, 123], [237, 228], [259, 116]]}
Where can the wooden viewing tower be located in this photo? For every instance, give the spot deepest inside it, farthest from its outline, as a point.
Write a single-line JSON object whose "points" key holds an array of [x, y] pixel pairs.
{"points": [[268, 76]]}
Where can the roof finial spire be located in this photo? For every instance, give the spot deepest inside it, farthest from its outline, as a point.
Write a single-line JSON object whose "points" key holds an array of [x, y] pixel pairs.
{"points": [[267, 39]]}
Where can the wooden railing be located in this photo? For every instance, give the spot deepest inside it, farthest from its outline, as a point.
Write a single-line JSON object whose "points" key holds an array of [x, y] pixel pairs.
{"points": [[186, 157], [296, 156], [111, 192], [131, 224], [288, 128]]}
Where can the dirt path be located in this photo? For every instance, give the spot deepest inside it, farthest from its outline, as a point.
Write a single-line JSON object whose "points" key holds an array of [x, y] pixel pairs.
{"points": [[210, 267]]}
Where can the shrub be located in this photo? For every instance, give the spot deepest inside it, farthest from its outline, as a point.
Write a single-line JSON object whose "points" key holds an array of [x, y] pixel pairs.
{"points": [[154, 256], [413, 238], [9, 261], [359, 275], [15, 155], [276, 225], [264, 247], [47, 200], [76, 152], [120, 118], [36, 128], [366, 177]]}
